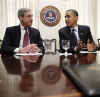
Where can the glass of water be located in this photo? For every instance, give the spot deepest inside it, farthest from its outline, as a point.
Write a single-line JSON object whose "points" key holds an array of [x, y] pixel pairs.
{"points": [[66, 46]]}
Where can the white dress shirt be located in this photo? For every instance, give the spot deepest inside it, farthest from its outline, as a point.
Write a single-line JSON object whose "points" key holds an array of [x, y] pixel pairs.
{"points": [[22, 38]]}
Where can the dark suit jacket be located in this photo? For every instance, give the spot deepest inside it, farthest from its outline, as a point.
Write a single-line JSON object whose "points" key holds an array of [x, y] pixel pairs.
{"points": [[83, 32], [12, 38]]}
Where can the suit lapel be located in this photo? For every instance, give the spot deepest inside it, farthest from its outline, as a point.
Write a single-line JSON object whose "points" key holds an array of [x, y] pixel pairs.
{"points": [[29, 29], [80, 32], [32, 35], [18, 35], [67, 33]]}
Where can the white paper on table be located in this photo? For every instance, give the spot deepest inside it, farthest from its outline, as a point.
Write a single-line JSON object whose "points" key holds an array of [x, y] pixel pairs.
{"points": [[61, 54], [83, 52], [27, 54]]}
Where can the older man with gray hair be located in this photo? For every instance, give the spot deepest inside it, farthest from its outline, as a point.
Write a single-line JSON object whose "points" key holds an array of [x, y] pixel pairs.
{"points": [[22, 38]]}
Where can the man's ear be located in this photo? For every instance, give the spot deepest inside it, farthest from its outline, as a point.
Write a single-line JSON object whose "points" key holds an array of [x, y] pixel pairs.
{"points": [[76, 17], [20, 18]]}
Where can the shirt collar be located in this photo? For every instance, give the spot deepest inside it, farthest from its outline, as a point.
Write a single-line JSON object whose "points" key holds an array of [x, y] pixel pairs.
{"points": [[21, 26], [75, 28]]}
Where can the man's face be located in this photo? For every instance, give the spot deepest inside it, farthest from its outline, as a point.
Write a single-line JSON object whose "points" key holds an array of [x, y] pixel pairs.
{"points": [[71, 19], [26, 20]]}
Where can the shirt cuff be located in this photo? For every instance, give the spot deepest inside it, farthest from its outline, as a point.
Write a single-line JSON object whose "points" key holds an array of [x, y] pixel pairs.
{"points": [[16, 50]]}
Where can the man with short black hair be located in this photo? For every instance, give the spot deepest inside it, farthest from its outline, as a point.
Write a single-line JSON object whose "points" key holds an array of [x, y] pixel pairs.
{"points": [[79, 35]]}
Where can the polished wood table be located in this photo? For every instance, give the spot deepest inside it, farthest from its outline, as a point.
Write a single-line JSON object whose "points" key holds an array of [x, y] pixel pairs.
{"points": [[38, 76]]}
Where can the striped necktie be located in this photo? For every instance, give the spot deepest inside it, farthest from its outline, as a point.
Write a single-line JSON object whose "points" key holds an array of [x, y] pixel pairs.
{"points": [[74, 37], [26, 38]]}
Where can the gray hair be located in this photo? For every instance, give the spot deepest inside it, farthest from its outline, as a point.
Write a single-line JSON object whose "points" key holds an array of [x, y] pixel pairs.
{"points": [[22, 11]]}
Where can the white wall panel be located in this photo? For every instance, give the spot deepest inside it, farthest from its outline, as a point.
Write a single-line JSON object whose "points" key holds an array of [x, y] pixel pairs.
{"points": [[89, 14]]}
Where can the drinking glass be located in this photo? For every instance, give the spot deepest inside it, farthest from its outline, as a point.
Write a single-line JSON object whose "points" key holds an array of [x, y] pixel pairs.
{"points": [[66, 46]]}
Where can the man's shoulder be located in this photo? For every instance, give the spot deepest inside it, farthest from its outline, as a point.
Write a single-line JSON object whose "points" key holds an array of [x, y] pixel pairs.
{"points": [[13, 27], [34, 29], [84, 26], [63, 29]]}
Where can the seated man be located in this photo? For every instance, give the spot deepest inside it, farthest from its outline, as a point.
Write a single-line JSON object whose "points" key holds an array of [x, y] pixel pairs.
{"points": [[22, 38], [79, 35]]}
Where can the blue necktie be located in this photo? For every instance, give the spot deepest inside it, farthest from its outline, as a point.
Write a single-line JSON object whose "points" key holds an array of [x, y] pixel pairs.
{"points": [[74, 37]]}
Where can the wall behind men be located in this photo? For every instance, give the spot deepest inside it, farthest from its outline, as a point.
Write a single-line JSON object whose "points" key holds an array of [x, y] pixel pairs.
{"points": [[88, 15], [98, 19], [52, 32]]}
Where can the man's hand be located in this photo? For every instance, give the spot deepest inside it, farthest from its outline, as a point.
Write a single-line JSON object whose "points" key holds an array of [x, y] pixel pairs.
{"points": [[24, 50], [80, 45], [31, 48], [90, 46]]}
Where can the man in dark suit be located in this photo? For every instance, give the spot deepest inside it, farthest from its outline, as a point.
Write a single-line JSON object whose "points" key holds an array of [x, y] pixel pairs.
{"points": [[82, 34], [22, 38]]}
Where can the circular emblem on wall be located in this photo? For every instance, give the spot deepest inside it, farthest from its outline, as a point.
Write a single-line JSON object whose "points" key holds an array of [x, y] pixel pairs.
{"points": [[50, 16]]}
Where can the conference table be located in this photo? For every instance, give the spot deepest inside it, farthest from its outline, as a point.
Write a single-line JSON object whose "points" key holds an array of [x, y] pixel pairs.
{"points": [[39, 75]]}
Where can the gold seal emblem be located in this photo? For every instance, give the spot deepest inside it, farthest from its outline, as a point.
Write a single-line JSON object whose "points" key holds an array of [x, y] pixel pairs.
{"points": [[50, 16]]}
